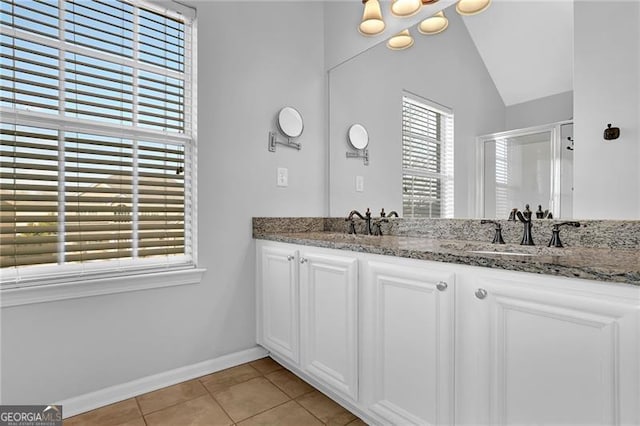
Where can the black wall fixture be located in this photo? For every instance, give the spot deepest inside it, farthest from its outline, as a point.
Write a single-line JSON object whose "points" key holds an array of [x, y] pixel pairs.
{"points": [[570, 139], [611, 133]]}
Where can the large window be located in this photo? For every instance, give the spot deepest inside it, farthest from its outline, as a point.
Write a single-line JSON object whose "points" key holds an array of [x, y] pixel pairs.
{"points": [[427, 159], [96, 138]]}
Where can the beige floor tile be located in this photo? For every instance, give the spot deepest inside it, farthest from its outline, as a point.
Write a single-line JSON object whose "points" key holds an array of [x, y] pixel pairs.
{"points": [[265, 365], [343, 418], [289, 383], [199, 411], [357, 422], [226, 378], [172, 395], [325, 409], [112, 415], [250, 398], [137, 422], [288, 414]]}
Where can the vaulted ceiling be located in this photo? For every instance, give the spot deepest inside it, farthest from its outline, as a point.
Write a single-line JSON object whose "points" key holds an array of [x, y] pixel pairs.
{"points": [[527, 47]]}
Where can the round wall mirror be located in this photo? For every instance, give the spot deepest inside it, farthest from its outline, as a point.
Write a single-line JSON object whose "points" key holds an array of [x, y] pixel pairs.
{"points": [[358, 136], [290, 122]]}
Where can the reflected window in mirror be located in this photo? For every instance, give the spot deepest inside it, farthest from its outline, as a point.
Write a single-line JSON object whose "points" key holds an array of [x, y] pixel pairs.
{"points": [[427, 158]]}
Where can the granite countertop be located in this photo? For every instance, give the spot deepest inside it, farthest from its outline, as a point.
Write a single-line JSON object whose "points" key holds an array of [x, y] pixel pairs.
{"points": [[601, 263]]}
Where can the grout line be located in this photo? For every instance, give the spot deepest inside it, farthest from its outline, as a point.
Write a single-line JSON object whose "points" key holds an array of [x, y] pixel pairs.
{"points": [[283, 391], [330, 418], [309, 411], [308, 392], [218, 402], [202, 382], [140, 409], [261, 375], [268, 409], [263, 411], [174, 404]]}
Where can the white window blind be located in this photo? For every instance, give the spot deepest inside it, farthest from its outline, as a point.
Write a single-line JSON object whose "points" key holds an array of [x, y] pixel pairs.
{"points": [[427, 160], [96, 137]]}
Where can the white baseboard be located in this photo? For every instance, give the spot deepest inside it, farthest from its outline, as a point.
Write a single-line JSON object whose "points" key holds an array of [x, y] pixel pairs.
{"points": [[113, 394]]}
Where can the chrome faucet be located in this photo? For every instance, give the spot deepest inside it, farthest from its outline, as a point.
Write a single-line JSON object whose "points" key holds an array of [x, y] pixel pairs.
{"points": [[555, 230], [497, 237]]}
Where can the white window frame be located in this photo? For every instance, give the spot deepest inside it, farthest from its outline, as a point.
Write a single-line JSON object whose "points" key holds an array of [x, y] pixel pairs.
{"points": [[447, 157], [43, 283]]}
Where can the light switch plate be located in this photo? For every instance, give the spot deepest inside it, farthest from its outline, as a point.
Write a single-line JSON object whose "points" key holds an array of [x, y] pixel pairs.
{"points": [[359, 183], [283, 177]]}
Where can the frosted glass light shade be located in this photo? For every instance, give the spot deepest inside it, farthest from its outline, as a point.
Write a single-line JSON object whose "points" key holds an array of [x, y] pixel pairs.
{"points": [[372, 23], [472, 7], [404, 8], [400, 41], [434, 24]]}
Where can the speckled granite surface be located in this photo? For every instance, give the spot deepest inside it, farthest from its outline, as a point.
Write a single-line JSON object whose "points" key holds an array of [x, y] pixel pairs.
{"points": [[601, 250]]}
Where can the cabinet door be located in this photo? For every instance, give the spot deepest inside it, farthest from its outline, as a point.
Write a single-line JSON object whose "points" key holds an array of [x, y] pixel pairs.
{"points": [[328, 285], [278, 301], [548, 356], [408, 343]]}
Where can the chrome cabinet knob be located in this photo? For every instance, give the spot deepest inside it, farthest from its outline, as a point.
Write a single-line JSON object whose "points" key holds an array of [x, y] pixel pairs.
{"points": [[290, 258], [481, 293], [442, 286], [303, 260]]}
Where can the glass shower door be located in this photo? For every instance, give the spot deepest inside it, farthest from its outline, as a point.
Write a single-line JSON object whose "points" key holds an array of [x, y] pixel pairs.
{"points": [[527, 166]]}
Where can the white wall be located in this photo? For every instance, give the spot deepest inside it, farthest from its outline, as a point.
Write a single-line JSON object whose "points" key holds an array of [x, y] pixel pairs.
{"points": [[368, 89], [606, 81], [549, 109], [54, 351]]}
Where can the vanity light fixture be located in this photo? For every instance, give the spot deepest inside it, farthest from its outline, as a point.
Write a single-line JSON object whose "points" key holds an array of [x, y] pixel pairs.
{"points": [[472, 7], [402, 40], [372, 23], [405, 8], [434, 24]]}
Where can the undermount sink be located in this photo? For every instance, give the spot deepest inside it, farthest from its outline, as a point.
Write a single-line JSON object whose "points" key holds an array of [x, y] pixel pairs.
{"points": [[505, 253]]}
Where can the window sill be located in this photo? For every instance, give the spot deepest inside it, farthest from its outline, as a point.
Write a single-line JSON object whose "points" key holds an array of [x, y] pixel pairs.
{"points": [[99, 286]]}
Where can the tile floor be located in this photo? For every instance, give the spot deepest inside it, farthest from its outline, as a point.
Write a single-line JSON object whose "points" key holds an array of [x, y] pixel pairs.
{"points": [[261, 392]]}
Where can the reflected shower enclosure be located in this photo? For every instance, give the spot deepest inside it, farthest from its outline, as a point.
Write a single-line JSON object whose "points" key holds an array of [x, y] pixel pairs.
{"points": [[526, 166]]}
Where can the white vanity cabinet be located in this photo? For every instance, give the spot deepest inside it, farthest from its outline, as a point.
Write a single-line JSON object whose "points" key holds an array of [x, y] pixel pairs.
{"points": [[403, 341], [308, 311], [278, 300], [407, 341], [329, 319], [537, 349]]}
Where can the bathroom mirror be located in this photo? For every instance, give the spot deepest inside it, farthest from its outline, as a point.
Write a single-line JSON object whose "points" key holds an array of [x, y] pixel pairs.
{"points": [[358, 136], [290, 122], [450, 69], [444, 70]]}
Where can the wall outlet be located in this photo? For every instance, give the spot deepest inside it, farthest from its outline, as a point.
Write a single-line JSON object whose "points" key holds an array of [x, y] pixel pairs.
{"points": [[359, 183], [283, 177]]}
